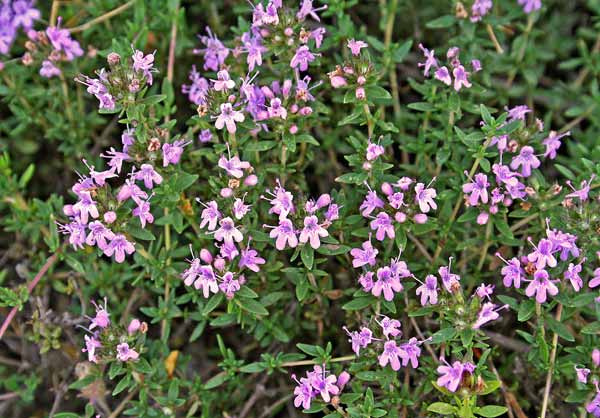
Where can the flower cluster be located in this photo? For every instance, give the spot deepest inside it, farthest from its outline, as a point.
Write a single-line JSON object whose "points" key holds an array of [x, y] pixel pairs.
{"points": [[15, 15], [101, 214], [356, 73], [313, 229], [460, 74], [224, 271], [318, 383], [50, 48], [487, 193], [452, 375], [108, 341], [277, 105], [396, 355], [557, 245], [399, 205], [124, 79]]}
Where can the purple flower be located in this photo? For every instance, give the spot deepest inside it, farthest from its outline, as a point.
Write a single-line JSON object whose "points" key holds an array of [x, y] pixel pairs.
{"points": [[583, 193], [582, 374], [76, 231], [386, 282], [371, 202], [228, 117], [214, 53], [365, 256], [410, 352], [359, 339], [49, 70], [205, 135], [594, 406], [233, 166], [479, 9], [572, 274], [229, 285], [254, 47], [251, 260], [206, 280], [595, 282], [390, 354], [460, 78], [552, 143], [390, 327], [85, 207], [142, 211], [24, 14], [91, 343], [312, 231], [304, 393], [374, 151], [477, 189], [302, 58], [307, 9], [144, 64], [281, 201], [443, 75], [424, 197], [487, 313], [518, 112], [430, 60], [119, 246], [125, 353], [101, 319], [197, 90], [98, 235], [276, 110], [526, 160], [512, 272], [449, 280], [116, 159], [356, 46], [61, 41], [172, 152], [131, 190], [322, 383], [563, 242], [428, 291], [284, 234], [505, 176], [149, 176], [540, 285], [451, 375], [542, 255], [485, 291], [382, 225], [228, 232], [530, 5]]}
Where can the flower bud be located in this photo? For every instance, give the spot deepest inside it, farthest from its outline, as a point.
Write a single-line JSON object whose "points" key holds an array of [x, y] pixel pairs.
{"points": [[596, 357], [110, 217], [360, 93], [113, 59], [483, 218], [387, 189], [153, 144], [361, 80], [206, 256], [400, 217], [219, 264], [420, 218], [134, 326], [294, 129], [226, 192], [288, 31], [251, 180]]}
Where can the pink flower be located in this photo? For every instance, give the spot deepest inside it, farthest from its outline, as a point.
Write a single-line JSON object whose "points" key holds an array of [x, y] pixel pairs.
{"points": [[149, 176], [424, 197], [223, 82], [428, 291], [443, 75], [365, 256], [390, 327], [595, 282], [451, 375], [383, 226], [101, 319], [582, 374], [386, 282], [228, 232], [540, 285], [460, 78], [210, 215], [526, 160], [312, 231], [390, 354], [229, 117], [284, 234], [119, 246], [91, 343], [356, 46], [542, 255], [125, 353]]}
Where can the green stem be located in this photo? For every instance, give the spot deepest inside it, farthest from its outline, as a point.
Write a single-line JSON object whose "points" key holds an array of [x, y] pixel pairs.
{"points": [[551, 368]]}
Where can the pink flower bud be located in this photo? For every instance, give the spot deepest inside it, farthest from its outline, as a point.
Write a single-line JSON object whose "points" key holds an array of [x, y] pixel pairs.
{"points": [[294, 129], [306, 111], [596, 357], [360, 93], [294, 108], [483, 218], [337, 81], [219, 264], [494, 209], [134, 326], [288, 31], [206, 256], [361, 80], [387, 188], [343, 378], [110, 217], [241, 279], [323, 200], [367, 166], [69, 211], [226, 192], [400, 217], [420, 218], [349, 70], [251, 180]]}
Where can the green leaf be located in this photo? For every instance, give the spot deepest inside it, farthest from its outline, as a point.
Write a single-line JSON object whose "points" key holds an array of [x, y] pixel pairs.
{"points": [[559, 328], [441, 408], [400, 53], [358, 303], [215, 381], [212, 303], [252, 306], [491, 411], [308, 256], [122, 385], [259, 146], [441, 22], [443, 335], [353, 178]]}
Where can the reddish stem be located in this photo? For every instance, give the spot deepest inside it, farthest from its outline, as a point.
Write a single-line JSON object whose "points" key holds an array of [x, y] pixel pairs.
{"points": [[30, 287]]}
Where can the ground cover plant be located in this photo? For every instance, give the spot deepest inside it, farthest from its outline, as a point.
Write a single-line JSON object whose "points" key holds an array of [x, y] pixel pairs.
{"points": [[334, 208]]}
